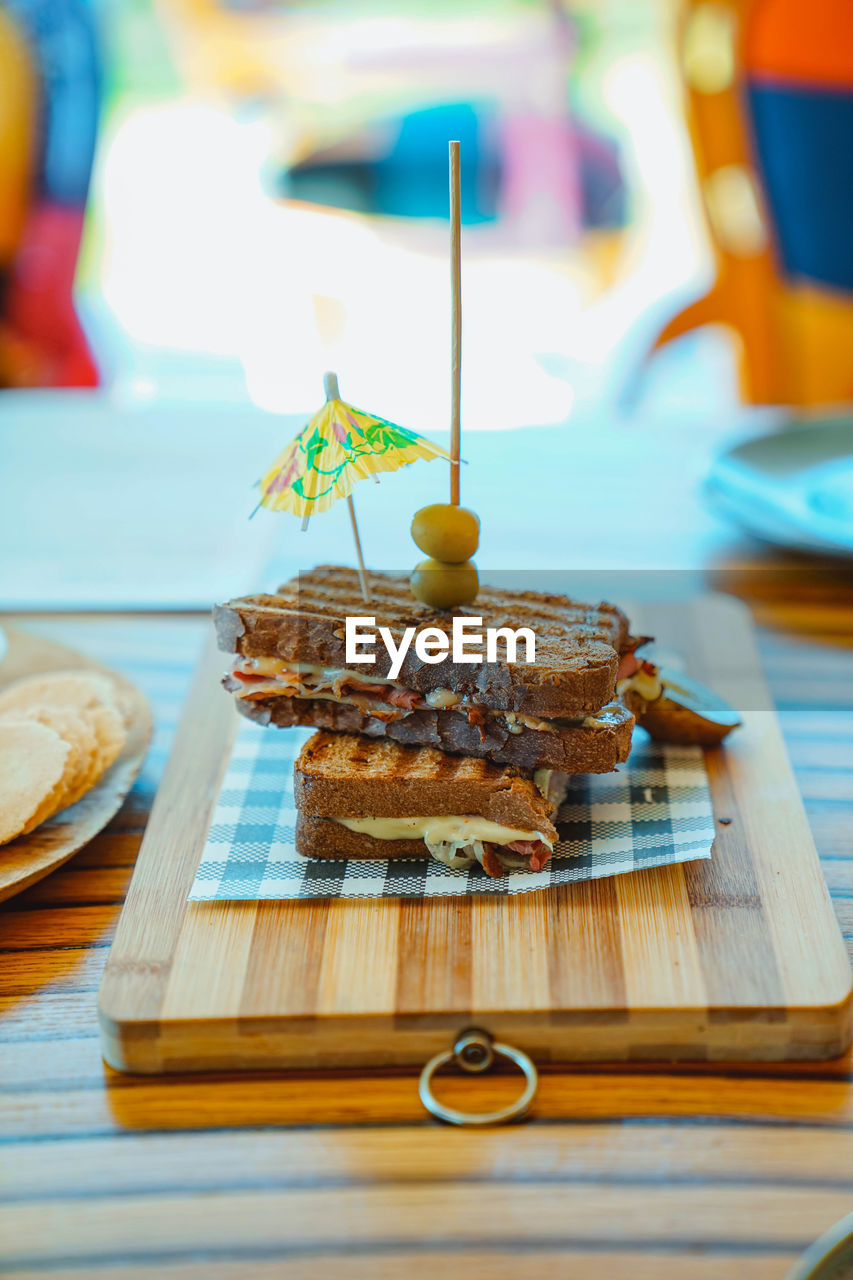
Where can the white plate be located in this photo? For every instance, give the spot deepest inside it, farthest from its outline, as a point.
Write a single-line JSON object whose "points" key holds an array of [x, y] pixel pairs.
{"points": [[794, 487]]}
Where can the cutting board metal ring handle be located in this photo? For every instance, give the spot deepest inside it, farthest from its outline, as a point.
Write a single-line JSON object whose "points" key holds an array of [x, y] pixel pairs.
{"points": [[474, 1051]]}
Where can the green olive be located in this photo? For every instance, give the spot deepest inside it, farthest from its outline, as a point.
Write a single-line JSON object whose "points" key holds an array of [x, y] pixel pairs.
{"points": [[444, 586], [446, 533]]}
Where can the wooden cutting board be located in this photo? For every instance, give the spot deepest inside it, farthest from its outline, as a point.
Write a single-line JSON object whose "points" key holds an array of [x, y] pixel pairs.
{"points": [[737, 957]]}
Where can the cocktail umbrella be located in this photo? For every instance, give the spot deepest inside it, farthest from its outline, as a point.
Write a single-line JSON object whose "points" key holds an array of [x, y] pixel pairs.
{"points": [[339, 446]]}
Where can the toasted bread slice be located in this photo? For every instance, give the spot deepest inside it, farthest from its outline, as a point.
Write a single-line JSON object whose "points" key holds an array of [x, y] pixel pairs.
{"points": [[595, 747], [577, 645], [323, 838], [341, 775]]}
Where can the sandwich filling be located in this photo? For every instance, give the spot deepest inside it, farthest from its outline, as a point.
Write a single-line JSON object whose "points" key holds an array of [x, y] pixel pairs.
{"points": [[384, 699], [461, 841]]}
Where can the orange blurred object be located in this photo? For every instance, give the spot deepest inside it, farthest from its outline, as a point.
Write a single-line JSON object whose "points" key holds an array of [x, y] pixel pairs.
{"points": [[41, 341], [18, 106], [795, 332]]}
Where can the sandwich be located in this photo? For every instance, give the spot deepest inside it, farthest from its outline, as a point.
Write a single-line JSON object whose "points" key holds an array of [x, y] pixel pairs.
{"points": [[558, 712], [360, 797]]}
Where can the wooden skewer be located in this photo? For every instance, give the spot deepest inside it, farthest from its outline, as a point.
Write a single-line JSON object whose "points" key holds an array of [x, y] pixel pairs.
{"points": [[332, 390], [456, 321], [362, 572]]}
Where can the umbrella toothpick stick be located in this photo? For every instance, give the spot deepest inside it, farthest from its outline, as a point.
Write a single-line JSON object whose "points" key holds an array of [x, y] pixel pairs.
{"points": [[363, 579], [456, 321], [332, 390]]}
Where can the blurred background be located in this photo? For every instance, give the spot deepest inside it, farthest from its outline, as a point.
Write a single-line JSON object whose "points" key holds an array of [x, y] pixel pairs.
{"points": [[209, 202]]}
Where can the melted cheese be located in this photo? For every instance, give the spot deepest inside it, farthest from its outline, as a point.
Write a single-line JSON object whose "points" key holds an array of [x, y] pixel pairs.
{"points": [[542, 780], [553, 784], [458, 831], [274, 687], [273, 667], [517, 720], [648, 686], [614, 712], [442, 698]]}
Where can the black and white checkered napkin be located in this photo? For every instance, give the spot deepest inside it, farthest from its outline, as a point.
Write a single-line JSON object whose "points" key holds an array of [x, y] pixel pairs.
{"points": [[655, 811]]}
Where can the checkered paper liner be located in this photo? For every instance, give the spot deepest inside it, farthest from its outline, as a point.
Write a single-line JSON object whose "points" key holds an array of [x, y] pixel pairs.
{"points": [[655, 811]]}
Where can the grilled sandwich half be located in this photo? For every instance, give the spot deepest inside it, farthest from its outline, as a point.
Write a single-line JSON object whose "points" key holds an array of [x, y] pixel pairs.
{"points": [[361, 797], [559, 712]]}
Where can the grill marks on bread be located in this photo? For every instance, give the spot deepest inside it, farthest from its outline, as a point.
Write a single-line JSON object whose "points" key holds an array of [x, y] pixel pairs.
{"points": [[336, 755], [577, 645], [340, 775], [333, 592]]}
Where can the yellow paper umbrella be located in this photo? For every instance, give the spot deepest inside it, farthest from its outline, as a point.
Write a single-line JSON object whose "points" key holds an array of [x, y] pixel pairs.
{"points": [[339, 446]]}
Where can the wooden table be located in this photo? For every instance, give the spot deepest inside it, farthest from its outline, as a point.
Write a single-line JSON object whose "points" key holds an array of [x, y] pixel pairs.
{"points": [[649, 1172]]}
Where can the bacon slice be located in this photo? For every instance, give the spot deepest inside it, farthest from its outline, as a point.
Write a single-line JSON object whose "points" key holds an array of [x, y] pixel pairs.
{"points": [[538, 860], [536, 850], [349, 686], [492, 864], [629, 665], [401, 697], [250, 686]]}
